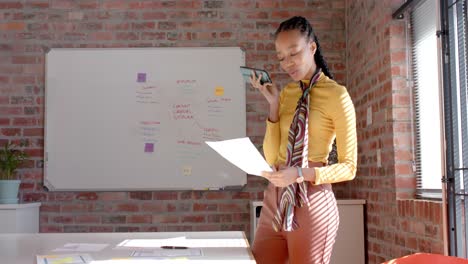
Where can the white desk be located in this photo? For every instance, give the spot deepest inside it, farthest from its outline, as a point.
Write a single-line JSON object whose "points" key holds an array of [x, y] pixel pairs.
{"points": [[19, 218], [23, 248]]}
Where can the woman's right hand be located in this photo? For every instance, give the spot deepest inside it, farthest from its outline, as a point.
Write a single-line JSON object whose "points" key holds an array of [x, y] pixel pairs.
{"points": [[269, 90]]}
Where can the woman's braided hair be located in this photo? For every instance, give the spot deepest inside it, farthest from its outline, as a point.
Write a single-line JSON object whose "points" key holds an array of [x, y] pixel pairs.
{"points": [[305, 28]]}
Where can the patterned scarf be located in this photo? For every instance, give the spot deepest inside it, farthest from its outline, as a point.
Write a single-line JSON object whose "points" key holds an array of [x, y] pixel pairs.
{"points": [[297, 155]]}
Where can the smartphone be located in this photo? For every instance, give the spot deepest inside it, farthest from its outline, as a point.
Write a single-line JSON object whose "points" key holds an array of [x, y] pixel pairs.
{"points": [[247, 72]]}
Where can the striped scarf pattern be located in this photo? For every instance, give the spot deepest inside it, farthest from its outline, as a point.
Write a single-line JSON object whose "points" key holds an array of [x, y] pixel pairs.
{"points": [[297, 155]]}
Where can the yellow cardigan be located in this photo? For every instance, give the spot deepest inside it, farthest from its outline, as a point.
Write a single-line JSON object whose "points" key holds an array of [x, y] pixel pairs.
{"points": [[331, 114]]}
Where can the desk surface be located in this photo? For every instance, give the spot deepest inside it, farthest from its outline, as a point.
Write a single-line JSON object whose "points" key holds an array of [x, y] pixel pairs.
{"points": [[217, 247]]}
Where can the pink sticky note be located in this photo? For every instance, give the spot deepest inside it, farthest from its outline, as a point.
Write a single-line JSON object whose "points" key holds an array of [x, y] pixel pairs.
{"points": [[141, 77], [149, 147]]}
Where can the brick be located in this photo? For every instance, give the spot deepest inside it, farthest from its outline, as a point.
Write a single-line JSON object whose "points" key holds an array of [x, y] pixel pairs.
{"points": [[150, 229], [140, 195], [219, 218], [242, 217], [25, 121], [127, 229], [34, 197], [193, 195], [153, 35], [75, 229], [213, 4], [154, 15], [23, 59], [127, 207], [143, 26], [193, 219], [216, 195], [403, 169], [267, 4], [165, 219], [113, 219], [87, 196], [153, 207], [62, 219], [139, 219], [50, 229], [101, 229], [10, 132], [405, 182], [35, 153], [126, 36], [33, 132], [179, 228], [17, 26], [241, 195], [206, 228], [293, 4], [74, 208], [162, 195], [27, 186], [257, 15], [75, 15], [112, 196], [204, 207], [24, 80], [243, 4], [87, 219], [167, 25], [231, 208], [56, 196]]}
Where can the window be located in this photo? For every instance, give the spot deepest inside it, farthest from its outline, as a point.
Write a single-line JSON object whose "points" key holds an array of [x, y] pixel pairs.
{"points": [[427, 99], [428, 61]]}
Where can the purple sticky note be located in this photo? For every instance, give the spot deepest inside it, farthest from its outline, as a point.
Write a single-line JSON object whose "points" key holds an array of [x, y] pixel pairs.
{"points": [[149, 147], [141, 77]]}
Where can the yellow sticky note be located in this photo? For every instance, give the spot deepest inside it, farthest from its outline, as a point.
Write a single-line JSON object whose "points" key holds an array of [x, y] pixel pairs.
{"points": [[219, 91], [62, 260], [187, 170]]}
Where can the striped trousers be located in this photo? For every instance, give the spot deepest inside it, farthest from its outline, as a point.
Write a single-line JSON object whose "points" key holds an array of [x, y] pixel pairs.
{"points": [[311, 243]]}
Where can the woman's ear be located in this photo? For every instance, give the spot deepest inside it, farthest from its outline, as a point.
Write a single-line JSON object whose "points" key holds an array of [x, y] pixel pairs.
{"points": [[313, 47]]}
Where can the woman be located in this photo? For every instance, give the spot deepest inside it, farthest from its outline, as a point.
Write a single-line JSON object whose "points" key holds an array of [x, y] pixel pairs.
{"points": [[299, 219]]}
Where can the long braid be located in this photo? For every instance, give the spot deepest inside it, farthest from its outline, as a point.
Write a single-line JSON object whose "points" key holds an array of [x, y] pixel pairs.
{"points": [[320, 61]]}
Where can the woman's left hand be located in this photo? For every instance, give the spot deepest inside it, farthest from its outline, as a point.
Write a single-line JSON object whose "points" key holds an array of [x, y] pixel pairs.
{"points": [[282, 177]]}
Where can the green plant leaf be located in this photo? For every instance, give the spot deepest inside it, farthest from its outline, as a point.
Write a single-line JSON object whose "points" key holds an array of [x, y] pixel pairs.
{"points": [[10, 159]]}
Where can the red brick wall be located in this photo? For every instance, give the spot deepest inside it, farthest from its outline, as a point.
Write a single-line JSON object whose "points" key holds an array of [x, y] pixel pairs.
{"points": [[27, 28], [377, 72]]}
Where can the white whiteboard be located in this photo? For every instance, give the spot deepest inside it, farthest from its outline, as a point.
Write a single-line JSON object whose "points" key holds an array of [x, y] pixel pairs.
{"points": [[137, 118]]}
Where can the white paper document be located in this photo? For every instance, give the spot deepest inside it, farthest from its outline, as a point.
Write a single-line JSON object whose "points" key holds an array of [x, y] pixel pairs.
{"points": [[160, 252], [81, 247], [152, 243], [242, 153], [189, 242], [64, 259]]}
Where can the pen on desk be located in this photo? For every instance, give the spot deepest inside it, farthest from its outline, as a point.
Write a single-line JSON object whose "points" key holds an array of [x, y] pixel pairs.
{"points": [[173, 247]]}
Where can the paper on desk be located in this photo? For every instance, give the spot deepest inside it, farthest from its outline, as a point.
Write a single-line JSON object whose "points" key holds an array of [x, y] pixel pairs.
{"points": [[152, 243], [181, 242], [81, 247], [161, 252], [242, 153], [64, 259]]}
